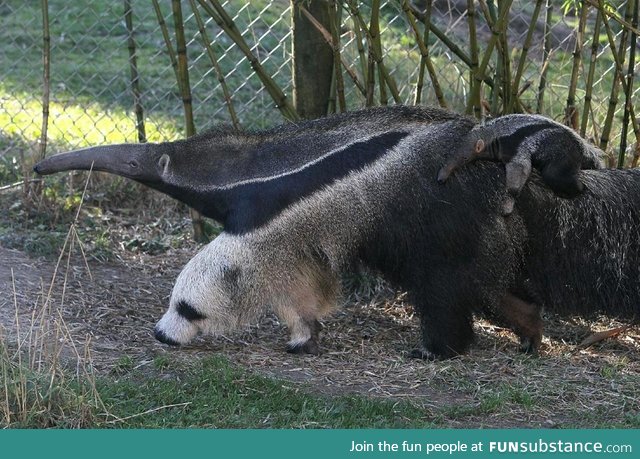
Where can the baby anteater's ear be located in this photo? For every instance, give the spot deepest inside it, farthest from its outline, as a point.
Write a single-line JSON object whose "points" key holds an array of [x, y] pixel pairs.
{"points": [[479, 146]]}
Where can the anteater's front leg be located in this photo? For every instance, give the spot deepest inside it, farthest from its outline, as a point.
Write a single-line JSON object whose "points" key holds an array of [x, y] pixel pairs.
{"points": [[445, 316]]}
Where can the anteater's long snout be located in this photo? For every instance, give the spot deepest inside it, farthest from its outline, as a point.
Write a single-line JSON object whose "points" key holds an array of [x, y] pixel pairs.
{"points": [[127, 160]]}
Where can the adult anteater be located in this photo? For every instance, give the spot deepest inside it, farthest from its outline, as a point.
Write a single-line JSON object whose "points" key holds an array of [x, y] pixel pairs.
{"points": [[448, 245]]}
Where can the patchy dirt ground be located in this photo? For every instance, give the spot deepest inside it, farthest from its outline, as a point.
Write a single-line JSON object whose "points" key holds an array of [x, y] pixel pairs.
{"points": [[109, 310]]}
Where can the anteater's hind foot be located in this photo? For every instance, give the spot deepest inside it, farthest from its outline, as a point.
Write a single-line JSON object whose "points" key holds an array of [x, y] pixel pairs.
{"points": [[524, 319]]}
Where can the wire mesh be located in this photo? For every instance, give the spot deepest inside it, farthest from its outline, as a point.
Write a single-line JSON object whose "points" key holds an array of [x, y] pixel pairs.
{"points": [[92, 102]]}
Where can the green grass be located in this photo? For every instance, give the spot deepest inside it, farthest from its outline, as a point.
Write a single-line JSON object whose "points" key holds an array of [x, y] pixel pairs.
{"points": [[213, 393]]}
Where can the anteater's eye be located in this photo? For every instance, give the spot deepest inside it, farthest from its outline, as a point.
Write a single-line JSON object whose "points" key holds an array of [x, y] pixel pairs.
{"points": [[133, 164]]}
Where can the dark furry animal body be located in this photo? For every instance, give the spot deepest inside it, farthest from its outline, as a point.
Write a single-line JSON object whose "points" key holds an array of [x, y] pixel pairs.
{"points": [[583, 255], [244, 179], [447, 245]]}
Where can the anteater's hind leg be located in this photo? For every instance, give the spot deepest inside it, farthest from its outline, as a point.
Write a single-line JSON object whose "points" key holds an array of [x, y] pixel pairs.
{"points": [[524, 319]]}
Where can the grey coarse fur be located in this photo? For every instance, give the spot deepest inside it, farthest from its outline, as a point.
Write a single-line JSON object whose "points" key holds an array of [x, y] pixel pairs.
{"points": [[523, 141]]}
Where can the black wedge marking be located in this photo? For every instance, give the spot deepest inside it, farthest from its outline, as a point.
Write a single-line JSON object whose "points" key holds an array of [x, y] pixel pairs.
{"points": [[512, 142], [259, 202], [188, 312]]}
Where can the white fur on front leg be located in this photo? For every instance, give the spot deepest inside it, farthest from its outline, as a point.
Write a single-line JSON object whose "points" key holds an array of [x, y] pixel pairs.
{"points": [[303, 333], [303, 336], [299, 333]]}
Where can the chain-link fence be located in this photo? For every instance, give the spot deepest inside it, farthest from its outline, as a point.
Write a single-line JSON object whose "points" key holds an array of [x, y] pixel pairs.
{"points": [[90, 84]]}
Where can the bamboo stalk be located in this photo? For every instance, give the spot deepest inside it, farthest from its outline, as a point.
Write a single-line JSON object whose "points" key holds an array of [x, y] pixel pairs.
{"points": [[611, 14], [331, 101], [369, 72], [546, 54], [487, 54], [185, 92], [499, 73], [135, 76], [474, 104], [618, 57], [491, 8], [425, 59], [571, 112], [489, 12], [595, 45], [220, 16], [183, 68], [498, 79], [628, 90], [360, 46], [46, 70], [390, 82], [216, 66], [167, 40], [376, 47], [455, 49], [423, 62], [515, 87], [334, 24], [505, 56]]}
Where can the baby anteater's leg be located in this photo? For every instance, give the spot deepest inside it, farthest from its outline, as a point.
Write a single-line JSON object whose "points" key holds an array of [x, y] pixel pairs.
{"points": [[524, 319], [518, 171]]}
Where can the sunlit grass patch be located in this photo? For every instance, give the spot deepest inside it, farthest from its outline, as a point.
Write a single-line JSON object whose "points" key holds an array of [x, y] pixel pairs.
{"points": [[86, 125]]}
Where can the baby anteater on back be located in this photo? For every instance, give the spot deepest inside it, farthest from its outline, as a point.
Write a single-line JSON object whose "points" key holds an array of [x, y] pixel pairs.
{"points": [[525, 141]]}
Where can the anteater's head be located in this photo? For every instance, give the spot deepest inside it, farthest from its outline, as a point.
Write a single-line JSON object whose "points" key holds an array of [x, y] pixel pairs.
{"points": [[210, 294]]}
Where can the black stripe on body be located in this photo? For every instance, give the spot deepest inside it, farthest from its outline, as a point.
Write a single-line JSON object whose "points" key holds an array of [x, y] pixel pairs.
{"points": [[505, 147], [187, 311], [258, 202]]}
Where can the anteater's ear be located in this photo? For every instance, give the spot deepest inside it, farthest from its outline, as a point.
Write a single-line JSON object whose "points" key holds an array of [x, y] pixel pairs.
{"points": [[163, 162], [479, 146]]}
